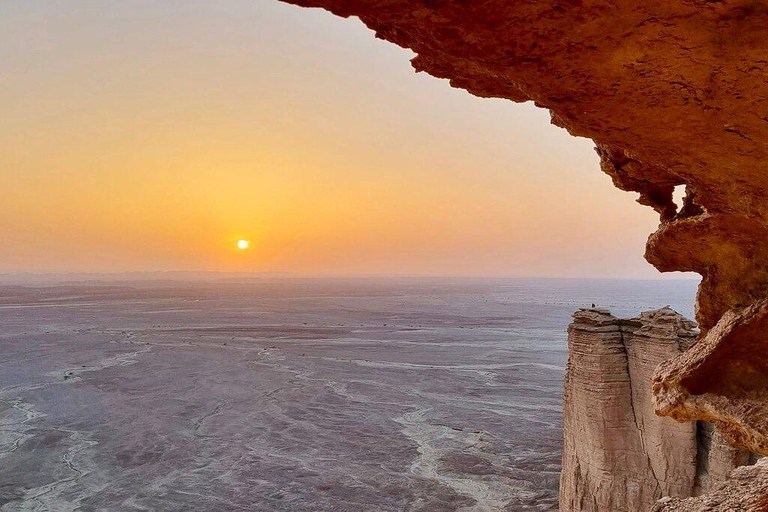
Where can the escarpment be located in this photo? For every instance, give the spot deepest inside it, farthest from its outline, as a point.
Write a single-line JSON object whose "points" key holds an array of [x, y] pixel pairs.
{"points": [[618, 455], [673, 93]]}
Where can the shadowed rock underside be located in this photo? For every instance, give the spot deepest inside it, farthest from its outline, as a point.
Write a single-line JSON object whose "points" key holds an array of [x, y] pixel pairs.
{"points": [[673, 94]]}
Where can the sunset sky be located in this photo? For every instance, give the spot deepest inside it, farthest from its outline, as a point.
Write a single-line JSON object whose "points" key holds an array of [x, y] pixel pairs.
{"points": [[150, 135]]}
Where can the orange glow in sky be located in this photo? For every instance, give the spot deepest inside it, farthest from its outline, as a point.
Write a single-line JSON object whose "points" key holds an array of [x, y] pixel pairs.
{"points": [[150, 135]]}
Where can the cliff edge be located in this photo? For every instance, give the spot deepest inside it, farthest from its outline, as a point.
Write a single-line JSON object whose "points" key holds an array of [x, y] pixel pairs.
{"points": [[618, 454]]}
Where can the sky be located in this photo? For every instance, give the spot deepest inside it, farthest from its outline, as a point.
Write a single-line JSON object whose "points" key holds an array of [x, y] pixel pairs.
{"points": [[142, 135]]}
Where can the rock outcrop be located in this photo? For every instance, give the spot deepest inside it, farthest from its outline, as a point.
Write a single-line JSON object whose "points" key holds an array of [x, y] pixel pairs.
{"points": [[674, 93], [723, 378], [618, 455]]}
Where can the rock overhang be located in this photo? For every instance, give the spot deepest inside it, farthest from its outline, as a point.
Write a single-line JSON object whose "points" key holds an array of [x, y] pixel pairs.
{"points": [[672, 93]]}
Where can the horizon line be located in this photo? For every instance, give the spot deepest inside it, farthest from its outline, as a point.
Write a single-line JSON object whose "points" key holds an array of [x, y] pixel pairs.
{"points": [[136, 275]]}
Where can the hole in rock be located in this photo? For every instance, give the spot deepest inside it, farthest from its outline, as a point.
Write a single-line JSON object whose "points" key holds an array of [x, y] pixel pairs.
{"points": [[678, 196]]}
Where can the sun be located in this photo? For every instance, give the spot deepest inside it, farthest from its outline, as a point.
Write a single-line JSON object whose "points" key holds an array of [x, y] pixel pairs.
{"points": [[243, 244]]}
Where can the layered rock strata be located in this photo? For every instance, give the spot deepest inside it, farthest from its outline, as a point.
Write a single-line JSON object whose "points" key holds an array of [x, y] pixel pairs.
{"points": [[618, 454], [673, 94]]}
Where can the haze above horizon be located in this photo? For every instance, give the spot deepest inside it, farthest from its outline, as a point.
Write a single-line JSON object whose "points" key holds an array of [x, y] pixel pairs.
{"points": [[150, 136]]}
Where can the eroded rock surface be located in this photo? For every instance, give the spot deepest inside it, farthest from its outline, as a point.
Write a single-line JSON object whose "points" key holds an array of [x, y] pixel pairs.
{"points": [[672, 93], [618, 455], [745, 490], [723, 378]]}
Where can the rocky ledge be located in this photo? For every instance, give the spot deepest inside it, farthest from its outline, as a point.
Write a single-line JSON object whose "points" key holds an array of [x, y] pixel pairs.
{"points": [[745, 490]]}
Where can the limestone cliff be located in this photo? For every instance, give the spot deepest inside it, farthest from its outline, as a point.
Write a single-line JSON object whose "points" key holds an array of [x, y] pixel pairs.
{"points": [[618, 455], [674, 93]]}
